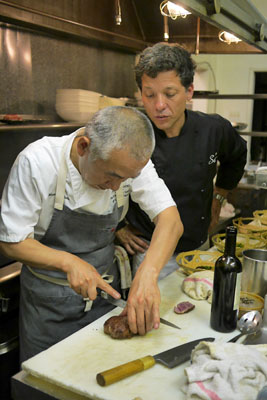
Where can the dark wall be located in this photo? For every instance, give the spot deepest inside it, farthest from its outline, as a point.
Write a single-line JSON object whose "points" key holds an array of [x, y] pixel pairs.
{"points": [[33, 66], [14, 141]]}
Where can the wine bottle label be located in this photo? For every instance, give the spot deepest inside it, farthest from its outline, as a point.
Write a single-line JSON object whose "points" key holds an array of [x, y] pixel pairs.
{"points": [[237, 291]]}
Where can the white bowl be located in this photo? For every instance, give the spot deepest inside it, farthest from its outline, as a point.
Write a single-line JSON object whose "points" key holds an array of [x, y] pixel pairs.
{"points": [[77, 108], [77, 93], [75, 116], [77, 101]]}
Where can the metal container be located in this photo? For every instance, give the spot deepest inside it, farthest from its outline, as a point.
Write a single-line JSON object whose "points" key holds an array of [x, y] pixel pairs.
{"points": [[254, 275], [261, 177]]}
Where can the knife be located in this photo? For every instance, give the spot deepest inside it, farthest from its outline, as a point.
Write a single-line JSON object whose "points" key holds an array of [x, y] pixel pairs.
{"points": [[170, 358], [122, 303]]}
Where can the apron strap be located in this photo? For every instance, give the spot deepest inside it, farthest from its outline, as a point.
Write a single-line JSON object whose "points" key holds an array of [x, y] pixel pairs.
{"points": [[51, 279], [61, 180], [124, 266], [122, 202]]}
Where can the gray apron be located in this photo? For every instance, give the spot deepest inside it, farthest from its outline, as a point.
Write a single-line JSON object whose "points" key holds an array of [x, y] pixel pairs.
{"points": [[50, 312]]}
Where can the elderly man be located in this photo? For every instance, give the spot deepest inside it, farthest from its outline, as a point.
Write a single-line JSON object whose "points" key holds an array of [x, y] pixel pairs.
{"points": [[189, 145], [62, 202]]}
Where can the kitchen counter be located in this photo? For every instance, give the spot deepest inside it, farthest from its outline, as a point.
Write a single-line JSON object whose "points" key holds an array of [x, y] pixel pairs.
{"points": [[68, 369]]}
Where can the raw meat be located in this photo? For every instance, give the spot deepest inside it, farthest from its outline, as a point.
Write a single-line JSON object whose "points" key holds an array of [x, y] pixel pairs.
{"points": [[183, 307], [117, 327]]}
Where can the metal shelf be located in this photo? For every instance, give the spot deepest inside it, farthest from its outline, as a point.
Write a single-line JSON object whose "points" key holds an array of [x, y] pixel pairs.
{"points": [[259, 134], [257, 96], [40, 127], [10, 271]]}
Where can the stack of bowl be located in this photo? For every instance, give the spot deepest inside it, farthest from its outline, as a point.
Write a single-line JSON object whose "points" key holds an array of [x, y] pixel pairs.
{"points": [[77, 105]]}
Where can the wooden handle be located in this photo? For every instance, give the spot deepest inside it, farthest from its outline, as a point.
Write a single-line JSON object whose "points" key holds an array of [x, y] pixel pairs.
{"points": [[122, 371]]}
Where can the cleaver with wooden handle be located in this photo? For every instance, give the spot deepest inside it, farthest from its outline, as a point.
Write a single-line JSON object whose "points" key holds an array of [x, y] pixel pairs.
{"points": [[170, 358]]}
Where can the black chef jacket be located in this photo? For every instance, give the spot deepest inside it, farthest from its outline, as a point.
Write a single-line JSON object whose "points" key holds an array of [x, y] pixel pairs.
{"points": [[188, 164]]}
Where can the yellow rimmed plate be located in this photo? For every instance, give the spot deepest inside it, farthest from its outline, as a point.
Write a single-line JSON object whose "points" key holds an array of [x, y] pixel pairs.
{"points": [[249, 225], [243, 242], [261, 215], [197, 260]]}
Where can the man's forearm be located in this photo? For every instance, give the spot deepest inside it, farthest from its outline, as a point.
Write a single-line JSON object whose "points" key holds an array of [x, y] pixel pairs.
{"points": [[35, 254], [167, 232]]}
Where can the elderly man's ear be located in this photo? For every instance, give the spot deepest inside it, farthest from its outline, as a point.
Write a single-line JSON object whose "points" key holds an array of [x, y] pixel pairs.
{"points": [[83, 145]]}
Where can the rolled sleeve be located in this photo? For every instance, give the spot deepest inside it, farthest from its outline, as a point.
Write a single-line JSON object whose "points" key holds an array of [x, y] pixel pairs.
{"points": [[21, 203], [150, 192]]}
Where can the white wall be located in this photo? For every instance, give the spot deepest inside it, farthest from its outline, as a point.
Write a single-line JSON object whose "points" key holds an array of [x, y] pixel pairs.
{"points": [[230, 74], [261, 5], [234, 74]]}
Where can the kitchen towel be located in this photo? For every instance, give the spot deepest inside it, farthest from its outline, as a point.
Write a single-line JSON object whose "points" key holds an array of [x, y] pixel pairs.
{"points": [[199, 285], [226, 371]]}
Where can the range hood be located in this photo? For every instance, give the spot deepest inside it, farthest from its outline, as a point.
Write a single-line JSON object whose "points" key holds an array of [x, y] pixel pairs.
{"points": [[239, 17], [94, 22]]}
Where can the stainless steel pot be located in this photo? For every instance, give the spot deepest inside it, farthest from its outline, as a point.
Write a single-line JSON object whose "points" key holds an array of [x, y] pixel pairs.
{"points": [[254, 275], [261, 177]]}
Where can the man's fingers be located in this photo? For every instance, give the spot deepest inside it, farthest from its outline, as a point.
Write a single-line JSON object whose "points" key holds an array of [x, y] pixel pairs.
{"points": [[109, 289], [156, 317], [131, 316], [129, 249]]}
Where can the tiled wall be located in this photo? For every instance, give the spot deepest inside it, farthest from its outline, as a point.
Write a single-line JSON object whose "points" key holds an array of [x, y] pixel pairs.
{"points": [[34, 65]]}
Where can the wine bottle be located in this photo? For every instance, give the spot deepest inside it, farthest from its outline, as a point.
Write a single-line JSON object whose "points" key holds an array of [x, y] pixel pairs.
{"points": [[226, 286]]}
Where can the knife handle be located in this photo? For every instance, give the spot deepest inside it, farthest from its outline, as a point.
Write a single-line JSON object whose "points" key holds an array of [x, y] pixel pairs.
{"points": [[123, 371]]}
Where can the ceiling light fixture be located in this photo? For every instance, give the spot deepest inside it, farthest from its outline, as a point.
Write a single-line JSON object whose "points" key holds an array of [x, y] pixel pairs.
{"points": [[118, 12], [171, 10], [228, 38]]}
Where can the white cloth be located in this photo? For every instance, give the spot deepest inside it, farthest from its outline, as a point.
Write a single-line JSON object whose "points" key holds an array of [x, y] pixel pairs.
{"points": [[226, 371], [199, 285], [29, 195]]}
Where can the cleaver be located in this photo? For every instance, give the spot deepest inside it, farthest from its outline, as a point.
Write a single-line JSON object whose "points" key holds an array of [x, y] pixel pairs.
{"points": [[122, 303], [170, 358]]}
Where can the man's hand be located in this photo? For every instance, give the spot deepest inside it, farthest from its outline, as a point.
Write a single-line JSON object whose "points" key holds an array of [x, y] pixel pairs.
{"points": [[216, 208], [128, 237], [143, 303], [215, 215], [84, 279], [82, 276], [144, 297]]}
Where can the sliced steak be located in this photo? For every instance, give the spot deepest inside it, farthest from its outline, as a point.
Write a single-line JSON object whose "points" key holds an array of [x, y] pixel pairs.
{"points": [[183, 307]]}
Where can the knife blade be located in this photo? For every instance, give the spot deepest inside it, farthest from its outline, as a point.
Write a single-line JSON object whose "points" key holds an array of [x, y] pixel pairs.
{"points": [[170, 358], [122, 303]]}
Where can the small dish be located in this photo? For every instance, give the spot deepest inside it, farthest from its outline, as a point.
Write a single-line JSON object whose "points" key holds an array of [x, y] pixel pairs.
{"points": [[250, 302]]}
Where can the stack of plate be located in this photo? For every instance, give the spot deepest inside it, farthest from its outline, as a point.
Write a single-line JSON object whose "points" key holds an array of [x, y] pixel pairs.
{"points": [[76, 105]]}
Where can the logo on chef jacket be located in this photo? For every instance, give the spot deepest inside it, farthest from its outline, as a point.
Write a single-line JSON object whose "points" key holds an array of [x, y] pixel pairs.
{"points": [[213, 158]]}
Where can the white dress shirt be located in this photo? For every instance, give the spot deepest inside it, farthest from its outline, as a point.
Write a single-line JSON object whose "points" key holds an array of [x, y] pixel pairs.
{"points": [[29, 194]]}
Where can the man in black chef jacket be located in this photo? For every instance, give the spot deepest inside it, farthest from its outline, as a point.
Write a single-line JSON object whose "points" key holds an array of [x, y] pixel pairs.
{"points": [[191, 147]]}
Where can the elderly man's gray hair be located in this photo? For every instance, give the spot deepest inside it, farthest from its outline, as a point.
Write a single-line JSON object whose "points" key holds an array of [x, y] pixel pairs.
{"points": [[163, 57], [119, 128]]}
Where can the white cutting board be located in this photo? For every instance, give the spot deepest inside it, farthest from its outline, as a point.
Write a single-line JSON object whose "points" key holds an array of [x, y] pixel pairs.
{"points": [[74, 362]]}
